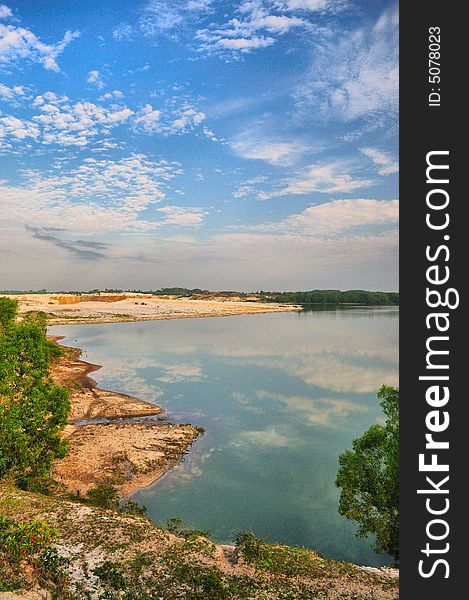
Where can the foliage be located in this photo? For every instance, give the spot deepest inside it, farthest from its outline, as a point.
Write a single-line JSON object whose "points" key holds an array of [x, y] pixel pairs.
{"points": [[110, 573], [133, 508], [369, 478], [28, 558], [19, 541], [333, 297], [104, 496], [178, 527], [33, 410], [278, 559], [8, 311]]}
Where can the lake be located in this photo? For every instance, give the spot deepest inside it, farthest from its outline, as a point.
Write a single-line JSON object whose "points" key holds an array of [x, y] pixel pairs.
{"points": [[279, 395]]}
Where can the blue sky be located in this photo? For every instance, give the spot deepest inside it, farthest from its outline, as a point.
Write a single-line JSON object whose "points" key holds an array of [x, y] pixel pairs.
{"points": [[224, 145]]}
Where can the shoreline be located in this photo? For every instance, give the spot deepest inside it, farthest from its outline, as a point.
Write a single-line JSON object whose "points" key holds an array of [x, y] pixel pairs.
{"points": [[69, 309], [127, 455]]}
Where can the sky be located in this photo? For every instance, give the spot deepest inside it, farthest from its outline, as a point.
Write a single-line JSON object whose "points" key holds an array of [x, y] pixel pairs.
{"points": [[199, 143]]}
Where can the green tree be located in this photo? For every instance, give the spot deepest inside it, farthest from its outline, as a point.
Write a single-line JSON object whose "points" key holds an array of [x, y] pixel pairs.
{"points": [[8, 310], [369, 478], [33, 410]]}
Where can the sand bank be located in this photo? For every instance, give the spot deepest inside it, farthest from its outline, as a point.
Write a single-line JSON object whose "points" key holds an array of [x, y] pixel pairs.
{"points": [[66, 309]]}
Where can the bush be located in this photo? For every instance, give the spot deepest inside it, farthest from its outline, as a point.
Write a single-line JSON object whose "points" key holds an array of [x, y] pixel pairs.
{"points": [[133, 508], [104, 496], [178, 527], [22, 541], [111, 574]]}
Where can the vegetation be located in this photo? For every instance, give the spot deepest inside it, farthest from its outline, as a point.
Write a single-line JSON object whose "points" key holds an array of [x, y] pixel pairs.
{"points": [[28, 558], [369, 478], [308, 297], [105, 495], [32, 409], [103, 553], [333, 297]]}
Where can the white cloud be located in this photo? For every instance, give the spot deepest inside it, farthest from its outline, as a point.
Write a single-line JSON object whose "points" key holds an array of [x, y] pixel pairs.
{"points": [[327, 178], [11, 93], [178, 215], [147, 119], [76, 124], [162, 17], [310, 5], [5, 12], [247, 187], [199, 4], [253, 31], [18, 129], [115, 94], [333, 218], [275, 152], [98, 196], [18, 43], [355, 77], [342, 215], [123, 32], [85, 123], [384, 160], [94, 77], [170, 120]]}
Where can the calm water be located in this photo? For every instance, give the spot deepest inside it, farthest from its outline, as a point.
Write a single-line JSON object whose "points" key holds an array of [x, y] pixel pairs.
{"points": [[279, 395]]}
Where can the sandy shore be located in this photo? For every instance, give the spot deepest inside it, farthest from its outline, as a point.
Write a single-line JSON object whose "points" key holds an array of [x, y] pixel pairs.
{"points": [[125, 455], [65, 309]]}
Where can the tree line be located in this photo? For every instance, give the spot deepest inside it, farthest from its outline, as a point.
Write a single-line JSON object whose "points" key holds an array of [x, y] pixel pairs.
{"points": [[333, 297]]}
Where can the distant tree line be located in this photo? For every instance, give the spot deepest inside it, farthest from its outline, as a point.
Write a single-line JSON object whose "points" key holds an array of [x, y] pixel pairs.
{"points": [[332, 297], [33, 410], [308, 297]]}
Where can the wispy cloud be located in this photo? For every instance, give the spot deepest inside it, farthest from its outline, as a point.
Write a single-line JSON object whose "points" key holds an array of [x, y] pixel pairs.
{"points": [[355, 77], [256, 27], [332, 218], [385, 162], [81, 249], [326, 178], [276, 152], [164, 18]]}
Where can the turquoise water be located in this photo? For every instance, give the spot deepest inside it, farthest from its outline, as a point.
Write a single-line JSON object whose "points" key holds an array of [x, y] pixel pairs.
{"points": [[279, 395]]}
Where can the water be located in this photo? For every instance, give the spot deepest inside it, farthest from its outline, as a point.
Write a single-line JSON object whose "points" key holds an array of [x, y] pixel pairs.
{"points": [[279, 395]]}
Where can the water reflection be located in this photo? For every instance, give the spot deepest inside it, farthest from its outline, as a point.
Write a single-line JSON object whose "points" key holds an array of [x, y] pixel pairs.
{"points": [[280, 396]]}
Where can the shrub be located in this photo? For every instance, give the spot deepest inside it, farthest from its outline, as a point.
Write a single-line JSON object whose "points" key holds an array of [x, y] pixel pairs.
{"points": [[111, 574], [21, 541], [104, 496]]}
